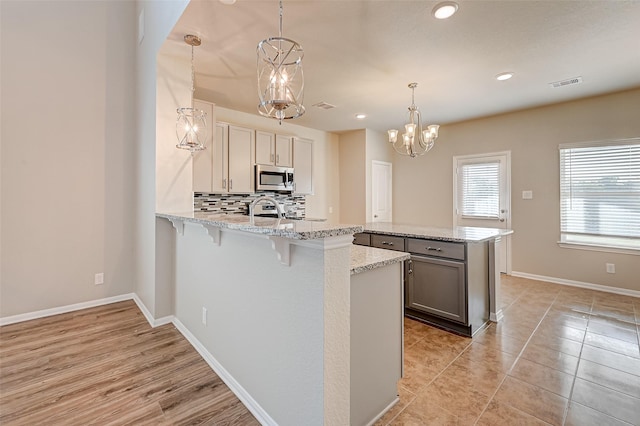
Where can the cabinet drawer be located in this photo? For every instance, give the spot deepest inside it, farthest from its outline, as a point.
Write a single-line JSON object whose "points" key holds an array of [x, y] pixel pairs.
{"points": [[436, 248], [387, 242], [362, 239]]}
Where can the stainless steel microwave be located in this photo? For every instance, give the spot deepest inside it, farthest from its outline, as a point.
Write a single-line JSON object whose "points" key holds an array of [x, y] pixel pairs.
{"points": [[271, 178]]}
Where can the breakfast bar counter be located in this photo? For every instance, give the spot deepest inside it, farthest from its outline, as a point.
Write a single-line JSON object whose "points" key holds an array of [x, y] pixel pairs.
{"points": [[288, 313]]}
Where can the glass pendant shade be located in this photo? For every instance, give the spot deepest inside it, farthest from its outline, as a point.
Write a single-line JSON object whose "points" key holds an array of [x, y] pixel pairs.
{"points": [[191, 125], [280, 77], [415, 141], [191, 129]]}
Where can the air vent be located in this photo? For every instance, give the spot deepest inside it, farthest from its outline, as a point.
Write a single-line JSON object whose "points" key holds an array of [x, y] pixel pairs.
{"points": [[567, 82], [324, 105]]}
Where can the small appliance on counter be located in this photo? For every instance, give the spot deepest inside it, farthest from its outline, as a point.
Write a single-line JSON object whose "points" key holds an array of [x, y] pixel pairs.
{"points": [[267, 210]]}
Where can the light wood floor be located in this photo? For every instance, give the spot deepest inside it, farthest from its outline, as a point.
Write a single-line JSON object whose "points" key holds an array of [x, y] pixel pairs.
{"points": [[106, 365]]}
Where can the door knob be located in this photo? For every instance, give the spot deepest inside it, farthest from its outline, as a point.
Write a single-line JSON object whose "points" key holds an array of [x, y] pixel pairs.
{"points": [[375, 215], [502, 220]]}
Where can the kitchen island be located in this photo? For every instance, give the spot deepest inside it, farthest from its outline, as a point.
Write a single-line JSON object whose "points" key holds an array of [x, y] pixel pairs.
{"points": [[452, 279], [283, 309]]}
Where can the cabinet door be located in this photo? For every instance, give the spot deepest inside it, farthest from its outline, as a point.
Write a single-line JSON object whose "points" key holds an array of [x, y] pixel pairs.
{"points": [[265, 148], [202, 161], [220, 160], [303, 166], [437, 287], [283, 151], [241, 168]]}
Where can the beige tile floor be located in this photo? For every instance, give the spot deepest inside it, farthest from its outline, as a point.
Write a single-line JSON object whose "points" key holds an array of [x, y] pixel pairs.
{"points": [[561, 356]]}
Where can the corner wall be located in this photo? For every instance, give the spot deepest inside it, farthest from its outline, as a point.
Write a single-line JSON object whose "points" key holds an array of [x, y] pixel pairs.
{"points": [[159, 18], [426, 183], [68, 168]]}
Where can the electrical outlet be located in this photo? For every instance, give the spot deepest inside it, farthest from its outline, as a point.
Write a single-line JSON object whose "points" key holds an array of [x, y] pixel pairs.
{"points": [[527, 195], [611, 268], [330, 210], [99, 279], [204, 316]]}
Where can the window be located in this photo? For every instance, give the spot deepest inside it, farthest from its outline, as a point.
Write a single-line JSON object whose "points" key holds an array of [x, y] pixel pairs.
{"points": [[479, 190], [600, 194]]}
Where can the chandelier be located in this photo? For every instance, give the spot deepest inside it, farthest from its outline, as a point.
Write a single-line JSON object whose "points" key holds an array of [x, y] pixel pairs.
{"points": [[415, 141], [191, 126], [280, 79]]}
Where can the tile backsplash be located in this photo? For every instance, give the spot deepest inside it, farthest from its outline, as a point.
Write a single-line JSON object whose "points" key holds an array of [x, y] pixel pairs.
{"points": [[239, 203]]}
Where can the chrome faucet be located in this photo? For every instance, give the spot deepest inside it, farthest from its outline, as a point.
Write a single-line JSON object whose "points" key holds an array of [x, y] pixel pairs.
{"points": [[272, 200]]}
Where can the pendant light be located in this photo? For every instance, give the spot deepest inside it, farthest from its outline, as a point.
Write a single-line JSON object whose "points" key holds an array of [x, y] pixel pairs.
{"points": [[415, 141], [280, 79], [191, 126]]}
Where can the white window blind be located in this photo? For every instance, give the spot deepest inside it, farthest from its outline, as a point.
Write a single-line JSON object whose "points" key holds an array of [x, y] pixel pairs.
{"points": [[479, 190], [600, 193]]}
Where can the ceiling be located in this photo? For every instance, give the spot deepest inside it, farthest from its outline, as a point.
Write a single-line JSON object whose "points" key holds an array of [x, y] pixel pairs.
{"points": [[361, 55]]}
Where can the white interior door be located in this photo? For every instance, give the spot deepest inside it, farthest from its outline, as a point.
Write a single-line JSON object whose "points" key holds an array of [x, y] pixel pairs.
{"points": [[482, 196], [381, 191]]}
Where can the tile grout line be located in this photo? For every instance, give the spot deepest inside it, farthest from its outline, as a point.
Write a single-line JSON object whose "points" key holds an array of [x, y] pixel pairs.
{"points": [[517, 359], [575, 375]]}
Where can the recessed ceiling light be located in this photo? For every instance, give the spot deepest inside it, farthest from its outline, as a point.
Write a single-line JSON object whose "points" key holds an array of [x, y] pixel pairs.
{"points": [[361, 116], [227, 1], [504, 76], [444, 10]]}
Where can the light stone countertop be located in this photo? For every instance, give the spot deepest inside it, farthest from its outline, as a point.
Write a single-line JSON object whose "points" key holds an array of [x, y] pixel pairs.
{"points": [[286, 228], [458, 234], [367, 258]]}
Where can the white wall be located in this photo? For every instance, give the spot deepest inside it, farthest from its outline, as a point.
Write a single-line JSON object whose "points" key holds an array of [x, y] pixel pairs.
{"points": [[426, 183], [353, 176], [358, 149], [160, 18], [326, 194], [68, 170], [378, 149]]}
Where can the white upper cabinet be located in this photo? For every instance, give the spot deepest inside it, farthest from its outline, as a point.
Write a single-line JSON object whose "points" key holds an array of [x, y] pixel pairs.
{"points": [[203, 160], [241, 170], [226, 165], [283, 151], [272, 149], [303, 166], [220, 158], [265, 148]]}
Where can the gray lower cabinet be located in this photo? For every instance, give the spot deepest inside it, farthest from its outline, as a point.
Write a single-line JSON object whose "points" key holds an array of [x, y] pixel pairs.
{"points": [[446, 283], [437, 287], [362, 239]]}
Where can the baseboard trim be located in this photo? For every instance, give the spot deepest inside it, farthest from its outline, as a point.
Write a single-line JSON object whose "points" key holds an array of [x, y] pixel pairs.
{"points": [[383, 412], [252, 405], [572, 283], [150, 319], [65, 309]]}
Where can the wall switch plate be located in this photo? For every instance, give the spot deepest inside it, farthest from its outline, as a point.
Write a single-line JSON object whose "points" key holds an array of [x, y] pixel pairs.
{"points": [[527, 195], [99, 279], [330, 210], [611, 268], [204, 316]]}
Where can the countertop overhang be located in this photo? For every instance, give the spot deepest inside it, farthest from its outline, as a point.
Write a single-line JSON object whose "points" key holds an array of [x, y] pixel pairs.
{"points": [[285, 228], [365, 258], [459, 234]]}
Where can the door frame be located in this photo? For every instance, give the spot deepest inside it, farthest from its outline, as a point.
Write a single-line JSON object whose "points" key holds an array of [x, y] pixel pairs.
{"points": [[506, 240]]}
